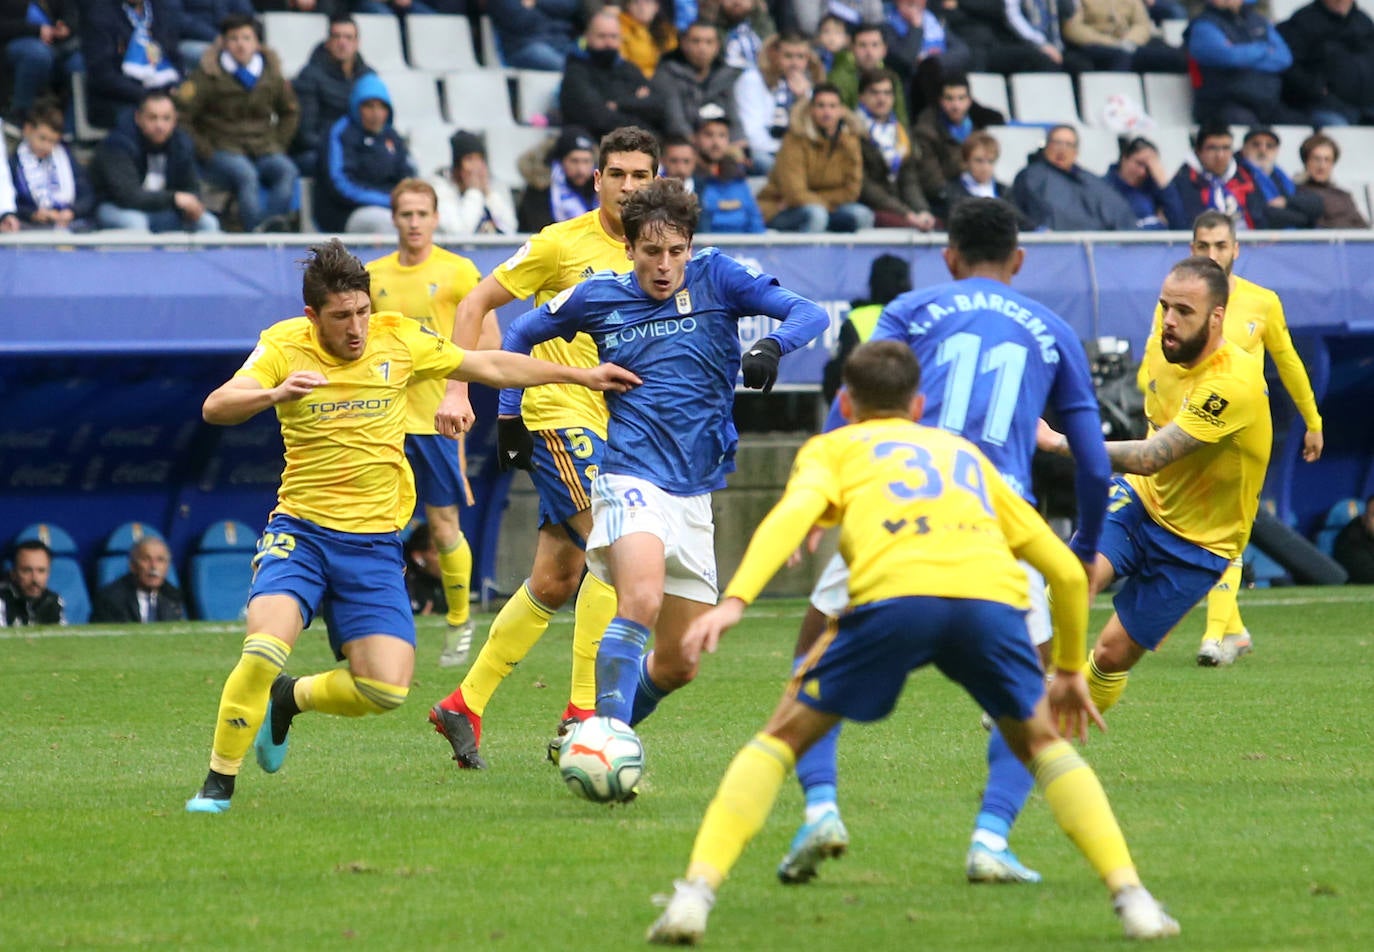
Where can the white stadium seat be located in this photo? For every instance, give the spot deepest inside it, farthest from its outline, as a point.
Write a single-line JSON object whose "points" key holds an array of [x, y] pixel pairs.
{"points": [[379, 40], [294, 36], [414, 97], [990, 90], [1017, 143], [1168, 98], [478, 99], [1095, 89], [441, 43], [1044, 97], [536, 91]]}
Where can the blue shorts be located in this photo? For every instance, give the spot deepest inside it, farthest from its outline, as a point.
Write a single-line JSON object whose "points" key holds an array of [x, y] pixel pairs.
{"points": [[356, 580], [1165, 575], [565, 463], [858, 669], [440, 477]]}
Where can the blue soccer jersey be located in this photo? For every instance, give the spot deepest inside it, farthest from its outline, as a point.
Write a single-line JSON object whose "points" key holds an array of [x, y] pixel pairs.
{"points": [[991, 361], [675, 430]]}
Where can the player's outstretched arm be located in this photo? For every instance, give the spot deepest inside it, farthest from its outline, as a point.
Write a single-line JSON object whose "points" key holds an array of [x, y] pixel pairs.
{"points": [[1071, 705], [703, 634], [242, 398], [502, 369], [474, 326], [1141, 457]]}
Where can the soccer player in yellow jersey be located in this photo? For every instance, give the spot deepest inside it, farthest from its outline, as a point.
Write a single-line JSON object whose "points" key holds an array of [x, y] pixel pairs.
{"points": [[931, 534], [1184, 511], [1254, 322], [337, 378], [563, 453], [426, 283]]}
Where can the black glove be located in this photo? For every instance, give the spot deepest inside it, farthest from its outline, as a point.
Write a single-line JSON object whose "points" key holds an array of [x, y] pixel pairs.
{"points": [[514, 445], [760, 364]]}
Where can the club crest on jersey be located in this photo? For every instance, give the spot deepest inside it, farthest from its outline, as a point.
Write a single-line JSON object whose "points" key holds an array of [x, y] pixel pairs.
{"points": [[683, 300]]}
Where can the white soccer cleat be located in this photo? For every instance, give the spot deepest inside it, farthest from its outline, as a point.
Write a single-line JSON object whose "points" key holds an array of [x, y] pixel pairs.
{"points": [[684, 921], [457, 645], [1234, 646], [1141, 915], [1210, 654]]}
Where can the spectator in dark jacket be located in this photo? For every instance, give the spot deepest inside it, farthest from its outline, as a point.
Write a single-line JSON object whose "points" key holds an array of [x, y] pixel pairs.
{"points": [[37, 45], [914, 33], [892, 180], [1286, 207], [727, 204], [535, 35], [560, 179], [1212, 179], [1058, 194], [143, 595], [200, 20], [1332, 76], [981, 151], [940, 131], [129, 48], [1140, 177], [25, 598], [362, 160], [322, 89], [692, 76], [1354, 546], [601, 90], [145, 173], [1240, 59], [51, 189]]}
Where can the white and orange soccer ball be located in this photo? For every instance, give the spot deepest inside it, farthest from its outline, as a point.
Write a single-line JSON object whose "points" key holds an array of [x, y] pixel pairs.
{"points": [[602, 759]]}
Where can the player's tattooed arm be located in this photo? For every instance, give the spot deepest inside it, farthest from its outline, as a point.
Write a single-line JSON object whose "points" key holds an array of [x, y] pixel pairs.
{"points": [[1149, 456]]}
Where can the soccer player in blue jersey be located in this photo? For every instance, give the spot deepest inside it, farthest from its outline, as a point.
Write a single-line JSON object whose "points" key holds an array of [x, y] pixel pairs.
{"points": [[993, 360], [673, 321], [932, 535]]}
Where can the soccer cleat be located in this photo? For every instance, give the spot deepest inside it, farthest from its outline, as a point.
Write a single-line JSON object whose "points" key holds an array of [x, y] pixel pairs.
{"points": [[684, 920], [986, 866], [457, 644], [572, 716], [1234, 646], [463, 731], [269, 747], [213, 795], [1210, 654], [823, 838], [1141, 915]]}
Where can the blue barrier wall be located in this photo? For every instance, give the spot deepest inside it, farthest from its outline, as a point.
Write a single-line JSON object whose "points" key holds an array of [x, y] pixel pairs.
{"points": [[107, 352]]}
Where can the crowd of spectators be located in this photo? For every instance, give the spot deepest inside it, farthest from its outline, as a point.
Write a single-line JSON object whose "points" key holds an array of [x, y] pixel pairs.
{"points": [[818, 116]]}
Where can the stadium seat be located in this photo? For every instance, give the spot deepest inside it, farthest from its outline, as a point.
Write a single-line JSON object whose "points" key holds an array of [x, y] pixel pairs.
{"points": [[1357, 153], [379, 40], [1172, 31], [536, 93], [414, 97], [222, 571], [1280, 10], [1175, 144], [990, 90], [505, 145], [1337, 517], [478, 99], [113, 560], [1263, 570], [66, 578], [1168, 98], [84, 131], [1097, 149], [428, 144], [294, 37], [489, 49], [1095, 89], [1044, 98], [441, 43], [1017, 143]]}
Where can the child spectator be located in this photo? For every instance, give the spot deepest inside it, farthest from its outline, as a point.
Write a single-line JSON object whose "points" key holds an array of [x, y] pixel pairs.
{"points": [[51, 190]]}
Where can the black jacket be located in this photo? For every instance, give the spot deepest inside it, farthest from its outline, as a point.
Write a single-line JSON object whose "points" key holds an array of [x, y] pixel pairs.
{"points": [[105, 33], [322, 90], [121, 162], [118, 602], [16, 610], [1333, 60], [588, 89]]}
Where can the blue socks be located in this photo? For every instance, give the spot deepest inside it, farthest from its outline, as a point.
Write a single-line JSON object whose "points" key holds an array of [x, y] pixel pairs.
{"points": [[647, 694], [619, 660], [1009, 785]]}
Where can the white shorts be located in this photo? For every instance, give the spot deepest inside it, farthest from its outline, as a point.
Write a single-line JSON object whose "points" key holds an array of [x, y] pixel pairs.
{"points": [[623, 505], [830, 597]]}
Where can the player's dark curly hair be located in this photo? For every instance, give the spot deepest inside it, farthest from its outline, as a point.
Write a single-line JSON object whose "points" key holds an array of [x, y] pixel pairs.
{"points": [[983, 230], [663, 203], [882, 375], [1211, 274], [330, 269], [628, 139]]}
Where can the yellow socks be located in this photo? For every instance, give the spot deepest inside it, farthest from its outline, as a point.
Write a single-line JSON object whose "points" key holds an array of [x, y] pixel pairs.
{"points": [[339, 692], [1223, 614], [1106, 689], [243, 702], [521, 622], [740, 807], [455, 565], [596, 605], [1081, 809]]}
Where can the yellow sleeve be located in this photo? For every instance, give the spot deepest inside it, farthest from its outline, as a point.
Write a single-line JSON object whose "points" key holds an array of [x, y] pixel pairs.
{"points": [[777, 537], [1279, 343], [1142, 374], [1033, 541], [464, 281], [266, 364], [433, 356], [533, 266]]}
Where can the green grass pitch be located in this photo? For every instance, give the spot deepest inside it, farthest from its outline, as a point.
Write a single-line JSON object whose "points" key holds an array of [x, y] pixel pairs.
{"points": [[1245, 793]]}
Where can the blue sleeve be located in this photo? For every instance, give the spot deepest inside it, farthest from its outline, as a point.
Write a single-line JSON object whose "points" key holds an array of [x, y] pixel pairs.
{"points": [[1091, 479], [1278, 57], [1210, 47], [553, 318], [750, 292], [753, 220], [834, 419]]}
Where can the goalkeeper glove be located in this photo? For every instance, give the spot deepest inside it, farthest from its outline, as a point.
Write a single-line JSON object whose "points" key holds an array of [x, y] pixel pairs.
{"points": [[760, 365], [514, 445]]}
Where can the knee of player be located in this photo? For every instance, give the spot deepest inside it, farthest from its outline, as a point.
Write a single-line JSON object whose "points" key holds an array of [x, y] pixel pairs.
{"points": [[553, 588], [671, 674]]}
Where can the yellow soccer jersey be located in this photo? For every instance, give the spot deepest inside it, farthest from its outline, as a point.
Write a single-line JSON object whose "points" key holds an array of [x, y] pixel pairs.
{"points": [[1209, 497], [1255, 323], [556, 259], [429, 292], [345, 442]]}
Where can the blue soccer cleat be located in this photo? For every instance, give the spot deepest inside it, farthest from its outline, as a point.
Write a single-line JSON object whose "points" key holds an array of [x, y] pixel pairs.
{"points": [[199, 804], [269, 747], [213, 795], [997, 866], [823, 838]]}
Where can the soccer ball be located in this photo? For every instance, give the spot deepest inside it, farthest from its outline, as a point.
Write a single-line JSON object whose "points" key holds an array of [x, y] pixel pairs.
{"points": [[601, 760]]}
